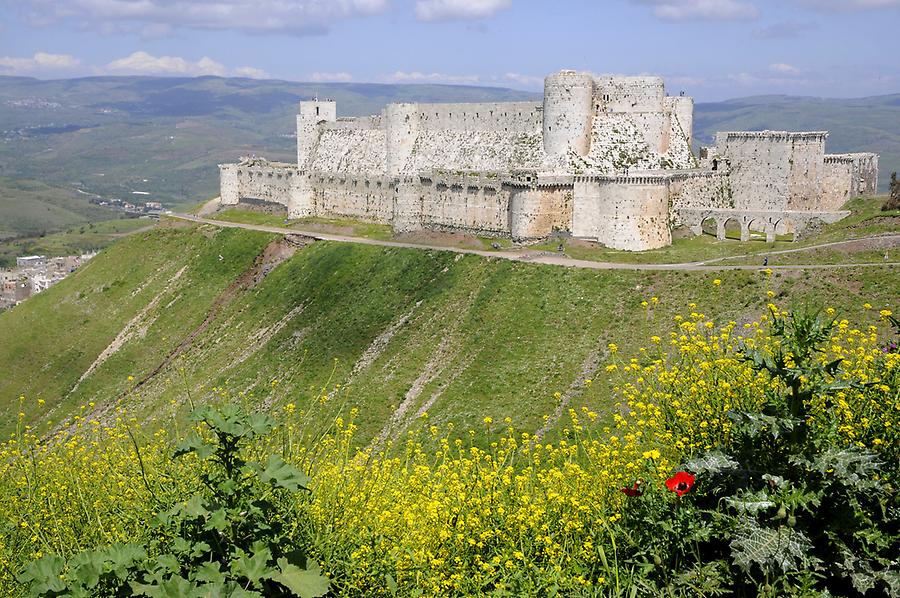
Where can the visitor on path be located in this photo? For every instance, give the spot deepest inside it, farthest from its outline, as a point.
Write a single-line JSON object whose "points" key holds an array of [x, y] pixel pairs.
{"points": [[765, 261]]}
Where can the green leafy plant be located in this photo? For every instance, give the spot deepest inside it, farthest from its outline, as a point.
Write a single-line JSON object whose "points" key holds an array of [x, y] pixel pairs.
{"points": [[229, 540]]}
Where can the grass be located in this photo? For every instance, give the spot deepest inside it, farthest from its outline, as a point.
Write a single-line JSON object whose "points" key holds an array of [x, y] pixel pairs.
{"points": [[481, 336], [29, 208], [337, 226]]}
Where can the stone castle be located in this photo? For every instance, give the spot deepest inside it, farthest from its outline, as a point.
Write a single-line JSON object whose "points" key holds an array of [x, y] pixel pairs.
{"points": [[607, 159]]}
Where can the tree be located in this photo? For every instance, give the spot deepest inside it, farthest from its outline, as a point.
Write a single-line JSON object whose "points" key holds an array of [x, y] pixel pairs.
{"points": [[893, 203]]}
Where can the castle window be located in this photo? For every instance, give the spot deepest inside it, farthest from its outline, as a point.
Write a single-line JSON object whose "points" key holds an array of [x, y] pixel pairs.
{"points": [[317, 111]]}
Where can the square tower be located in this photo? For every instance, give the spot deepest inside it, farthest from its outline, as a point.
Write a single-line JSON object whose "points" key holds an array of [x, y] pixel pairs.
{"points": [[312, 113]]}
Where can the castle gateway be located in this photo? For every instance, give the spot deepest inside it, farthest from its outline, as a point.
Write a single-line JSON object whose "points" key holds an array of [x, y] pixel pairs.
{"points": [[602, 158]]}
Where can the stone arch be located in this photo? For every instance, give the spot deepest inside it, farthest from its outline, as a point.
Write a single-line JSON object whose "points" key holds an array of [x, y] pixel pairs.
{"points": [[730, 221]]}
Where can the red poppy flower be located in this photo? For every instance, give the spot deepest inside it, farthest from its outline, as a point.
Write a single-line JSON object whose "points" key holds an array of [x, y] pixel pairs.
{"points": [[633, 491], [680, 483]]}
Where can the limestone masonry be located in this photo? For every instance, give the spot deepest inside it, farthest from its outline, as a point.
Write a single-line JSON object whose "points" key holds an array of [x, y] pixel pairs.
{"points": [[601, 158]]}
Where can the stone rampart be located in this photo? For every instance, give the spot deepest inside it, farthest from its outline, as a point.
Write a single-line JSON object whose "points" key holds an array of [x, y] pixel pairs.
{"points": [[505, 117], [359, 197], [628, 212], [773, 170], [629, 94], [258, 179], [604, 158]]}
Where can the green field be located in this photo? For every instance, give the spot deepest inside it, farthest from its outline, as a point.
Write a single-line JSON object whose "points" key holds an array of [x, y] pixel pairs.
{"points": [[87, 237], [463, 336], [30, 208]]}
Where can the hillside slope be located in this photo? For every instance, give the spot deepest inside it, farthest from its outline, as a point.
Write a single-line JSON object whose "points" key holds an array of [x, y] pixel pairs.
{"points": [[189, 313], [28, 208]]}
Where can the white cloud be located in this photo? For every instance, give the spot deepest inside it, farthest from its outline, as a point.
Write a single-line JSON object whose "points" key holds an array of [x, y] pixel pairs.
{"points": [[529, 81], [782, 68], [331, 77], [251, 72], [459, 10], [253, 16], [703, 10], [41, 61], [142, 63], [417, 77]]}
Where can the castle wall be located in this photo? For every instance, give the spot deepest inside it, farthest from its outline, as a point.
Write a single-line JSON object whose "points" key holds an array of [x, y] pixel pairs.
{"points": [[365, 198], [807, 164], [711, 190], [498, 117], [350, 150], [773, 170], [837, 178], [846, 176], [474, 204], [630, 213], [629, 94], [536, 212], [488, 151], [865, 174], [270, 182]]}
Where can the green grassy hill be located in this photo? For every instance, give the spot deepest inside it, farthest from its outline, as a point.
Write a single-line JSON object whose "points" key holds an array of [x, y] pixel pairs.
{"points": [[185, 313], [28, 208]]}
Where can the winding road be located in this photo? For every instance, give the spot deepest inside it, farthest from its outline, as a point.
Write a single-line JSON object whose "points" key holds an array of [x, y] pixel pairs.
{"points": [[544, 257]]}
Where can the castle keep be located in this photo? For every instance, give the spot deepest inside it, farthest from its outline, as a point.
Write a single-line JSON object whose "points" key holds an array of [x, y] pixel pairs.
{"points": [[601, 158]]}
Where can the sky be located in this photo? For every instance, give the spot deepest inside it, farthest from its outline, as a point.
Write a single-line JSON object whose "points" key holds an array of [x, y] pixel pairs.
{"points": [[710, 49]]}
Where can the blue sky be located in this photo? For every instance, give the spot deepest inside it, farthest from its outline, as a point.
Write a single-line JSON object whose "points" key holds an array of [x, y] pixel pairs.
{"points": [[711, 49]]}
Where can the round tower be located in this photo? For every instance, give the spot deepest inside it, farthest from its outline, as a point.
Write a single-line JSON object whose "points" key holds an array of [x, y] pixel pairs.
{"points": [[568, 112], [401, 122]]}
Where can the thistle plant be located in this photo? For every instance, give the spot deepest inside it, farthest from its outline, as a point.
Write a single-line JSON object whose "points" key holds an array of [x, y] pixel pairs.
{"points": [[784, 507]]}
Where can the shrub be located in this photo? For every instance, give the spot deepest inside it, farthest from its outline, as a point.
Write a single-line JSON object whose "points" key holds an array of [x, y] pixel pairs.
{"points": [[232, 542], [893, 202]]}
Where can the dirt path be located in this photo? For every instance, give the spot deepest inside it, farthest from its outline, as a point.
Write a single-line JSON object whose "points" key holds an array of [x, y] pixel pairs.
{"points": [[547, 258]]}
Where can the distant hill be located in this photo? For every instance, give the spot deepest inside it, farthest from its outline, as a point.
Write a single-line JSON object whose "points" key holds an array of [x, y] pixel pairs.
{"points": [[116, 135], [164, 136], [854, 125]]}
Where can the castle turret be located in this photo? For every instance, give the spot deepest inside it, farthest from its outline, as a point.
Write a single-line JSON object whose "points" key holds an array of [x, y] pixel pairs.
{"points": [[401, 130], [568, 110], [311, 114]]}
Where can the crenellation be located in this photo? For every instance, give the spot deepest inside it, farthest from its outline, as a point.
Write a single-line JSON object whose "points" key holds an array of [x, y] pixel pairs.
{"points": [[606, 158]]}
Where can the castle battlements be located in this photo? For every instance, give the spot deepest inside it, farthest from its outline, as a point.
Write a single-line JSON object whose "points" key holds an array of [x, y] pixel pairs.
{"points": [[607, 158]]}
